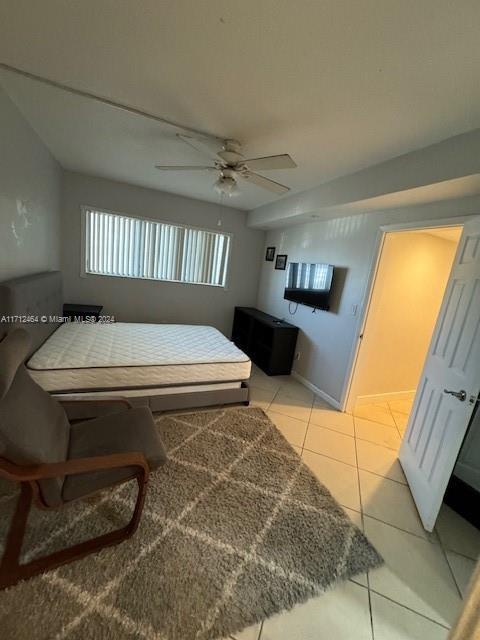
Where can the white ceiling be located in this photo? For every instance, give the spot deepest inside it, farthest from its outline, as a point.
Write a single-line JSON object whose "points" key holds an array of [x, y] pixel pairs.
{"points": [[338, 84], [452, 234]]}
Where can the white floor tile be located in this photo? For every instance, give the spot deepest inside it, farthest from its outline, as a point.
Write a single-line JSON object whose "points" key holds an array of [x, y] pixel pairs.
{"points": [[401, 421], [457, 534], [341, 614], [377, 433], [332, 419], [295, 389], [250, 633], [416, 573], [393, 622], [261, 397], [331, 443], [295, 399], [339, 478], [292, 429], [462, 569], [262, 381], [322, 404], [355, 516], [375, 412], [389, 501], [379, 460], [402, 406], [290, 406]]}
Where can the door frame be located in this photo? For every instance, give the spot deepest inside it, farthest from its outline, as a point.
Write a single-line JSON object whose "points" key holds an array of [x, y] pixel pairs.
{"points": [[347, 402]]}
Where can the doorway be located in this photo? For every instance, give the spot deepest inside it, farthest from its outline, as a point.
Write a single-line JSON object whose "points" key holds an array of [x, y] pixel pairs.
{"points": [[409, 285]]}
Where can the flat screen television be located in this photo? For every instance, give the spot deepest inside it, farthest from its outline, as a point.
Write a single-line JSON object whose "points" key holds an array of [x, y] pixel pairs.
{"points": [[309, 284]]}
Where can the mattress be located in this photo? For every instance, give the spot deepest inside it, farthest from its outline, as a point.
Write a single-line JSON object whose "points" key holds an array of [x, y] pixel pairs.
{"points": [[82, 357]]}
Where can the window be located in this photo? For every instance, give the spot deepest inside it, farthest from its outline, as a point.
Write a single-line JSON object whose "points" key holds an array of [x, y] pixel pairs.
{"points": [[117, 245]]}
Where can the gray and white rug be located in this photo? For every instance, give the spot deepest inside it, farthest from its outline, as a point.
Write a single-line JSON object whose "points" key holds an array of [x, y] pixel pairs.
{"points": [[235, 529]]}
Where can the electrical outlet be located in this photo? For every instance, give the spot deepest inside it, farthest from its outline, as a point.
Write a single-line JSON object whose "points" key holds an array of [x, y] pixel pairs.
{"points": [[354, 309], [297, 355]]}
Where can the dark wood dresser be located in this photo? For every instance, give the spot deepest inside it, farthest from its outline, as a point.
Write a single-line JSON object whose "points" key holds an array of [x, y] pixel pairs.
{"points": [[268, 341]]}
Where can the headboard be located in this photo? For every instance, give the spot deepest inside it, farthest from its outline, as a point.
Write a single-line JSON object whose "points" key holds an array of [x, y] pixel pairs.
{"points": [[39, 295]]}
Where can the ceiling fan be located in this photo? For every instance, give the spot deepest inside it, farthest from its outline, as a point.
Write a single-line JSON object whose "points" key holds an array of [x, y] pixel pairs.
{"points": [[228, 161], [231, 164]]}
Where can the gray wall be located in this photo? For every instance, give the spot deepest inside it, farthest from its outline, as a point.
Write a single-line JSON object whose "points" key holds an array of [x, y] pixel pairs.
{"points": [[327, 339], [448, 166], [134, 300], [29, 198]]}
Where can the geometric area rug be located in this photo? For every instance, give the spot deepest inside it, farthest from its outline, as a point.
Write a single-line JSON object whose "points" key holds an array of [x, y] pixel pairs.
{"points": [[235, 529]]}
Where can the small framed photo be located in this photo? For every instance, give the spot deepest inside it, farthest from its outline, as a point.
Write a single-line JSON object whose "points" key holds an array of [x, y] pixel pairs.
{"points": [[270, 255], [281, 262]]}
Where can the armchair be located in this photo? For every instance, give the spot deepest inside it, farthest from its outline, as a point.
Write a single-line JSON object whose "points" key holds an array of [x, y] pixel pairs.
{"points": [[56, 462]]}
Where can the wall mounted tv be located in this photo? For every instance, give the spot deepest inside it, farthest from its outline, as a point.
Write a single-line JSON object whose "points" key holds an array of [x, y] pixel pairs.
{"points": [[309, 284]]}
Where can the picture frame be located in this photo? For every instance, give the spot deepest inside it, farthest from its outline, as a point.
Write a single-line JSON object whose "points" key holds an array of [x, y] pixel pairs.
{"points": [[281, 261], [270, 254]]}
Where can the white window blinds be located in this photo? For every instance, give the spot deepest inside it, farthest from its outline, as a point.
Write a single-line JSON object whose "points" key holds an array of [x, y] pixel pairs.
{"points": [[117, 245]]}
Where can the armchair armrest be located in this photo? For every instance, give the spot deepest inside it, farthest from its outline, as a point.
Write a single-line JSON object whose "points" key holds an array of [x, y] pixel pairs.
{"points": [[28, 473]]}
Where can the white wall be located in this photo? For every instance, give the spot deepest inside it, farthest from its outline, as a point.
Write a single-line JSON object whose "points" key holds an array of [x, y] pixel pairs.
{"points": [[29, 198], [327, 339], [409, 288], [136, 300]]}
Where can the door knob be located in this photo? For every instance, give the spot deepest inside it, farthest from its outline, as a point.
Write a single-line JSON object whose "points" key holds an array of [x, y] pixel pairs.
{"points": [[460, 395]]}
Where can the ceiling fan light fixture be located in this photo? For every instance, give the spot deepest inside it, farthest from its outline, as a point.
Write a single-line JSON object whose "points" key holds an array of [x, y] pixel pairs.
{"points": [[226, 186]]}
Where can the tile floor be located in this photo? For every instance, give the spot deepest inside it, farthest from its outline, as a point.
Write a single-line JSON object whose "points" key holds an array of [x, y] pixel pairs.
{"points": [[417, 594]]}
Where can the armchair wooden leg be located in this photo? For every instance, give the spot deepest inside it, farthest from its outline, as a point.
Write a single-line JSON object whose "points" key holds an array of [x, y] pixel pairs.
{"points": [[11, 571]]}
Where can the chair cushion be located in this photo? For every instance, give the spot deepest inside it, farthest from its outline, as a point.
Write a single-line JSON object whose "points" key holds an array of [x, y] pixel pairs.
{"points": [[132, 430], [33, 427]]}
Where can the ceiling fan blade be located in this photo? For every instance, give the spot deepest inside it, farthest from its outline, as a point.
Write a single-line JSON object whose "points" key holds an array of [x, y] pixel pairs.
{"points": [[283, 161], [185, 167], [265, 183], [200, 145]]}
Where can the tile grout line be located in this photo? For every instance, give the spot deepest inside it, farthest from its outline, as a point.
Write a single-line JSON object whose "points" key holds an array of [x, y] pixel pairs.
{"points": [[363, 530], [321, 426], [308, 427], [449, 566], [381, 424], [404, 606], [342, 433], [416, 535], [261, 630], [399, 604], [372, 626], [403, 484]]}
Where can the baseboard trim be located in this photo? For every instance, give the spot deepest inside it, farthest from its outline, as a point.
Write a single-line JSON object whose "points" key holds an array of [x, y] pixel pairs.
{"points": [[316, 390], [386, 397]]}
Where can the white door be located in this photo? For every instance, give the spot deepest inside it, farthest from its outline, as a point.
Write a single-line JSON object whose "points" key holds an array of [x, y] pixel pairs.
{"points": [[449, 384]]}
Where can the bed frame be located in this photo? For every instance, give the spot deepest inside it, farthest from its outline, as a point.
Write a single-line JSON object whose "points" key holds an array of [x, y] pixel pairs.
{"points": [[24, 301]]}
